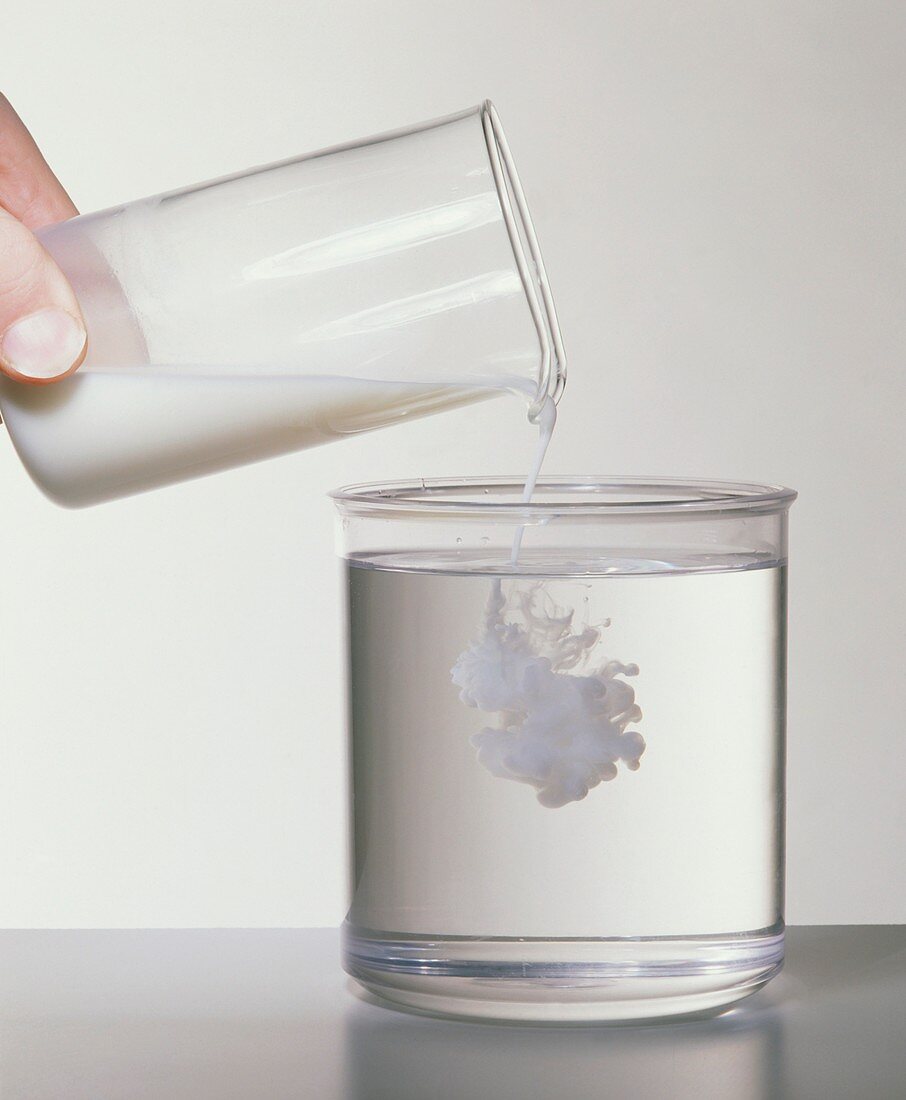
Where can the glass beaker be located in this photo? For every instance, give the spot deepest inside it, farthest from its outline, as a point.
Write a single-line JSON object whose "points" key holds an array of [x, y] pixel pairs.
{"points": [[567, 773], [290, 305]]}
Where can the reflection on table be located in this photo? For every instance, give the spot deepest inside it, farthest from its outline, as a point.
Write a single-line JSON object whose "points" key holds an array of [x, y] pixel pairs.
{"points": [[267, 1015]]}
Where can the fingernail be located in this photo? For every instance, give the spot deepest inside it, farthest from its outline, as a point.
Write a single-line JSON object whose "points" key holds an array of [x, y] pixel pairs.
{"points": [[44, 344]]}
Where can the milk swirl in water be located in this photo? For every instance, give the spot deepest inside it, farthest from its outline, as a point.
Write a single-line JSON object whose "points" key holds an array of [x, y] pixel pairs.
{"points": [[562, 709]]}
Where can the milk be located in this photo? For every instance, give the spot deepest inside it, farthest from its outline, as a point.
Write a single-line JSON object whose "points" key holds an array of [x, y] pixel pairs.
{"points": [[106, 434], [560, 731], [547, 421]]}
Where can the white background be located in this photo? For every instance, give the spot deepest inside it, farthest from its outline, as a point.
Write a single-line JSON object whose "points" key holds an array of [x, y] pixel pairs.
{"points": [[718, 189]]}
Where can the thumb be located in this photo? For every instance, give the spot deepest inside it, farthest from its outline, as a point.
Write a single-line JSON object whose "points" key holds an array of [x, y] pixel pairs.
{"points": [[42, 333]]}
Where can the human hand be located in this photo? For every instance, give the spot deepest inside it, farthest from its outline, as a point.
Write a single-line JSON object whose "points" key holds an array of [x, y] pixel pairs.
{"points": [[42, 333]]}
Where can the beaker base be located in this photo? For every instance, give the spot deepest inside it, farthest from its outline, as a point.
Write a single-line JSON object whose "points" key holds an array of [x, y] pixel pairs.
{"points": [[564, 981]]}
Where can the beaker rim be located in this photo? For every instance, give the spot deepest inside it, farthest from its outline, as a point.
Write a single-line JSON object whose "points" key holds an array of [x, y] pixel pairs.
{"points": [[528, 259], [558, 494]]}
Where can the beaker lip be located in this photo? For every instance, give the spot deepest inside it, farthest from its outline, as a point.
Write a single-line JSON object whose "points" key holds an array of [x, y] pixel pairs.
{"points": [[557, 494], [529, 261]]}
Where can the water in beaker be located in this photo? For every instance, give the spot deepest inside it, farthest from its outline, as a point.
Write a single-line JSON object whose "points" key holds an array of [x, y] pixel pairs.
{"points": [[567, 772]]}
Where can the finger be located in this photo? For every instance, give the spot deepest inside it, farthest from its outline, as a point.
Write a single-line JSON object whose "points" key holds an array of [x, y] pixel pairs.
{"points": [[43, 334], [28, 188]]}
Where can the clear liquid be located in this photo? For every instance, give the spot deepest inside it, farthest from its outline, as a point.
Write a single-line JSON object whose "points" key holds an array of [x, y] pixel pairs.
{"points": [[687, 845]]}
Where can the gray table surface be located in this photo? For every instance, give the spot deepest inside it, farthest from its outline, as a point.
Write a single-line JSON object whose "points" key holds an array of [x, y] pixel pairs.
{"points": [[135, 1015]]}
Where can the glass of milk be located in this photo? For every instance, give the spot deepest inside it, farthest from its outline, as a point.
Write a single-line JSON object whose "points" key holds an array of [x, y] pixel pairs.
{"points": [[567, 767], [290, 305]]}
